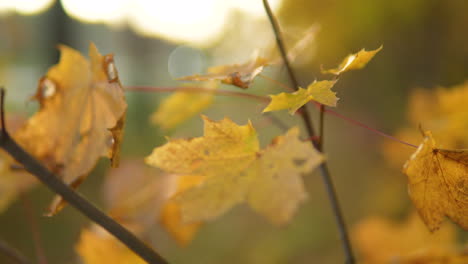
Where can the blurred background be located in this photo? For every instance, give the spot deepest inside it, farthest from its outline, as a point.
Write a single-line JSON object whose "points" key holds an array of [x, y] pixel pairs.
{"points": [[154, 41]]}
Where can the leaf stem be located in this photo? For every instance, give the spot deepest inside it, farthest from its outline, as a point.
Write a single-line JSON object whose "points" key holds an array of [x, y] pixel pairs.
{"points": [[357, 123], [196, 90], [73, 198], [323, 167]]}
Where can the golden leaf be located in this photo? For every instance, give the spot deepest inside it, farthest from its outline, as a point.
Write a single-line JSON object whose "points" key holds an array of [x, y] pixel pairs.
{"points": [[181, 106], [137, 195], [236, 171], [171, 217], [238, 75], [438, 183], [443, 111], [380, 241], [97, 246], [317, 91], [14, 180], [82, 108], [354, 61]]}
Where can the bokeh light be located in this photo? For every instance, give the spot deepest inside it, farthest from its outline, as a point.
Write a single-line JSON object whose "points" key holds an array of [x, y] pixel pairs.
{"points": [[96, 11], [24, 7]]}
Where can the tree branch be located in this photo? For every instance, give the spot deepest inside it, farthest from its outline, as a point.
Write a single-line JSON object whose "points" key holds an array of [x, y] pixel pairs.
{"points": [[323, 167], [13, 253], [73, 198]]}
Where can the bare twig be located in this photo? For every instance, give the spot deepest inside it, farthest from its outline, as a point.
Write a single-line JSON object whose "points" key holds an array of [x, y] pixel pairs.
{"points": [[321, 127], [73, 198], [323, 167], [151, 89], [13, 253]]}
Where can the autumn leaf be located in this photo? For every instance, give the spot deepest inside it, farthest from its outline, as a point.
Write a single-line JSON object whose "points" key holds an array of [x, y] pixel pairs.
{"points": [[236, 171], [443, 111], [13, 179], [171, 217], [354, 61], [82, 109], [302, 47], [180, 106], [438, 183], [380, 241], [138, 196], [97, 246], [238, 75], [318, 91]]}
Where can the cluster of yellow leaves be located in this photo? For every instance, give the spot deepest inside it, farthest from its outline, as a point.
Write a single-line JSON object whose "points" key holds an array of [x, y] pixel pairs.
{"points": [[235, 170], [319, 91], [380, 241], [180, 106], [97, 246], [438, 183], [81, 117]]}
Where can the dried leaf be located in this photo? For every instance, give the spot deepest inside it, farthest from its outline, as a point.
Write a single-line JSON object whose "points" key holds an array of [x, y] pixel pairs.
{"points": [[381, 241], [438, 183], [236, 171], [82, 108], [97, 246], [238, 75], [302, 48], [354, 61], [443, 111], [181, 106], [14, 180], [317, 91]]}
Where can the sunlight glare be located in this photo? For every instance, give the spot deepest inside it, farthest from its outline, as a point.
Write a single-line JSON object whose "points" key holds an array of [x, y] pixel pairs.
{"points": [[25, 7], [93, 11], [254, 8], [182, 20]]}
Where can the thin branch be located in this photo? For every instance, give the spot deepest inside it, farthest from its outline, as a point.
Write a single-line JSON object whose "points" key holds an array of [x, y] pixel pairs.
{"points": [[260, 98], [357, 123], [321, 127], [13, 253], [196, 90], [73, 198], [323, 167]]}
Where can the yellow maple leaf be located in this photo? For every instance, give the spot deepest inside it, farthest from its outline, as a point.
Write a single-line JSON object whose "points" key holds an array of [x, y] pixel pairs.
{"points": [[97, 246], [318, 91], [354, 61], [138, 195], [438, 183], [236, 171], [181, 106], [82, 108], [240, 75], [13, 179], [380, 241], [443, 111], [171, 217]]}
